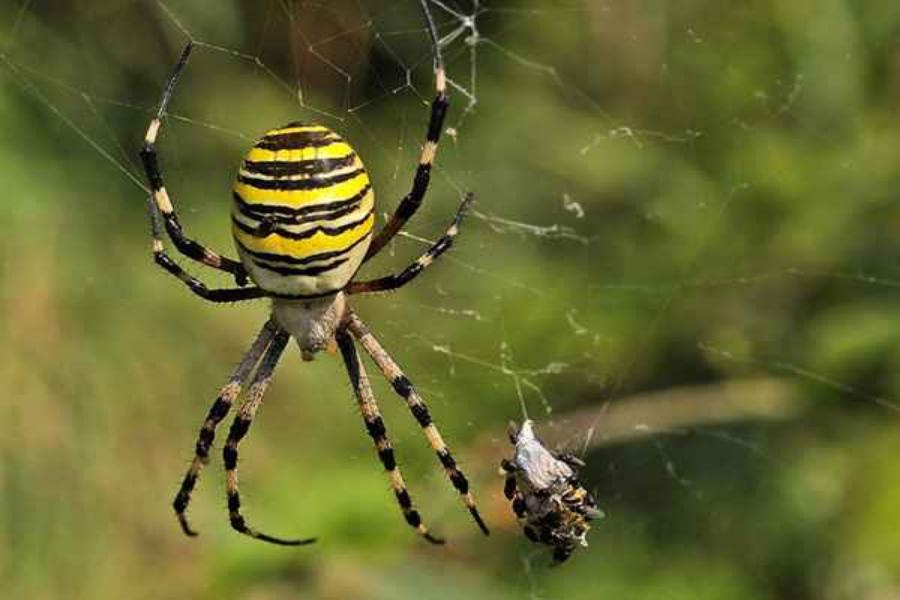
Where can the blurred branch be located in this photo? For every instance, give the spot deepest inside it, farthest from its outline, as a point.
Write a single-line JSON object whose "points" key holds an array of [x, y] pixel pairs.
{"points": [[670, 410], [654, 413]]}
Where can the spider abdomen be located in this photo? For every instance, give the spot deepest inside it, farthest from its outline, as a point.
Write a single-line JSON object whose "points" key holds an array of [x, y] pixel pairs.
{"points": [[303, 211]]}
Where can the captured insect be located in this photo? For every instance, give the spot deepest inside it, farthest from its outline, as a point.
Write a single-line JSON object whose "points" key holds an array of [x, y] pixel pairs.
{"points": [[302, 220], [552, 506]]}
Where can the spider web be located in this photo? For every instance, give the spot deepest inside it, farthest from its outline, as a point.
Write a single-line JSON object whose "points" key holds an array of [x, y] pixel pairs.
{"points": [[604, 285]]}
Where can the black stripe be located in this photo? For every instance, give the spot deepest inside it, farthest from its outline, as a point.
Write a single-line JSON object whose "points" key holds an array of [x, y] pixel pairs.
{"points": [[237, 521], [376, 429], [387, 459], [402, 385], [332, 231], [309, 271], [218, 410], [403, 499], [230, 457], [246, 208], [285, 168], [420, 412], [239, 428], [446, 459], [439, 248], [267, 223], [298, 140], [151, 166], [204, 442], [301, 261], [411, 202], [459, 482], [310, 183], [438, 112], [184, 494], [413, 518]]}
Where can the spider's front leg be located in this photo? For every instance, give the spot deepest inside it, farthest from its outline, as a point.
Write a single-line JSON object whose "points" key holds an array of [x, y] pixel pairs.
{"points": [[163, 210], [411, 202]]}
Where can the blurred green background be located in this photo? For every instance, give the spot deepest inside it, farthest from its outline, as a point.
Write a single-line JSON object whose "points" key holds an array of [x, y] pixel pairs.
{"points": [[682, 264]]}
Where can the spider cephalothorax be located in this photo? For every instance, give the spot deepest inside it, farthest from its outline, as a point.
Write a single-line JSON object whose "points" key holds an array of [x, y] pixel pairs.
{"points": [[547, 498], [303, 218]]}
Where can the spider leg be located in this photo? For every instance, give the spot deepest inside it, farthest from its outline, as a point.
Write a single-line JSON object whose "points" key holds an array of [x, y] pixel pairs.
{"points": [[194, 284], [217, 412], [392, 282], [419, 410], [411, 202], [150, 160], [375, 426], [238, 430]]}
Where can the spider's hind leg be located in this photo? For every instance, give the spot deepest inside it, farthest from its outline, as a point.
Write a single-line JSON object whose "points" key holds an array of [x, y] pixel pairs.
{"points": [[375, 426], [404, 388], [239, 428], [217, 412]]}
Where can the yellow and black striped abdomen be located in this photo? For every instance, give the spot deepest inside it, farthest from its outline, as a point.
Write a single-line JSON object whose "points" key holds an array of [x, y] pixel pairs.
{"points": [[303, 211]]}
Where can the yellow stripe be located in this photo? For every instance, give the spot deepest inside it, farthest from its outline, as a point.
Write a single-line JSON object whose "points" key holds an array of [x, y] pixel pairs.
{"points": [[298, 198], [320, 242], [333, 150]]}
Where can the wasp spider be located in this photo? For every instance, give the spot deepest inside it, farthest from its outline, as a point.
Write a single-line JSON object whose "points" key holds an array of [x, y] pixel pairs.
{"points": [[547, 498], [302, 221]]}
